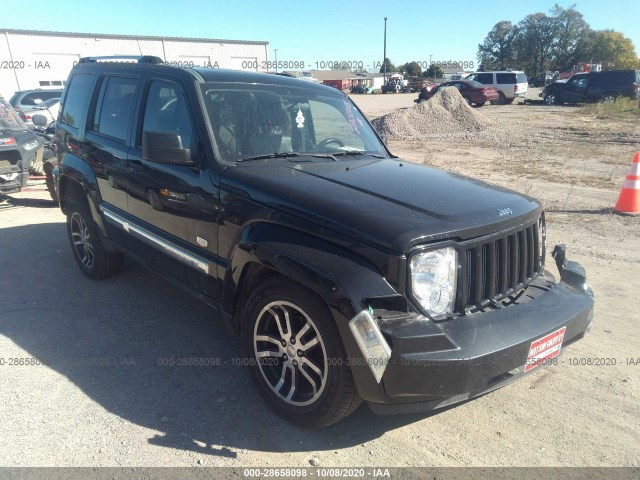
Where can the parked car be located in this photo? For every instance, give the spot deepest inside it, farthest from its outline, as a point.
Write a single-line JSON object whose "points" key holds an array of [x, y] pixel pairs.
{"points": [[473, 92], [510, 84], [349, 274], [593, 87], [26, 99], [48, 109], [18, 149]]}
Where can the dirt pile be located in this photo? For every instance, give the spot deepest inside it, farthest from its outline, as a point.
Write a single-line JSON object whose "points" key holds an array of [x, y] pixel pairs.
{"points": [[445, 115]]}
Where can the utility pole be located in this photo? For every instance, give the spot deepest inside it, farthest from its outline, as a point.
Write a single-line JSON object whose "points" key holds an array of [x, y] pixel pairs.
{"points": [[275, 51], [384, 59]]}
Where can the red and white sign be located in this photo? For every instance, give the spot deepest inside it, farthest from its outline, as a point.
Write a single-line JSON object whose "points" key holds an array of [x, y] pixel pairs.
{"points": [[544, 349]]}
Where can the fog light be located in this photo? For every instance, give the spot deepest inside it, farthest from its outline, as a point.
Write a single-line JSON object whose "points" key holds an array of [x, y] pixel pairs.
{"points": [[374, 347]]}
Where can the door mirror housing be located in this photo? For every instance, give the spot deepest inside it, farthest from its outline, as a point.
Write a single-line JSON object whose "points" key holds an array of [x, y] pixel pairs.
{"points": [[165, 147]]}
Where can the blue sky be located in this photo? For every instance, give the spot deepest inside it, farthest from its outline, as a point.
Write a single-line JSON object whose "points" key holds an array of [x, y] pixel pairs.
{"points": [[316, 31]]}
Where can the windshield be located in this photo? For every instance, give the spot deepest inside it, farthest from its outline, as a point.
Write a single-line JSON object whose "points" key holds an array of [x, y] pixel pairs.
{"points": [[9, 119], [255, 120]]}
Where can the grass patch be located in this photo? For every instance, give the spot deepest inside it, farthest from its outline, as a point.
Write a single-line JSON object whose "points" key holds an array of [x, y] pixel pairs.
{"points": [[622, 108]]}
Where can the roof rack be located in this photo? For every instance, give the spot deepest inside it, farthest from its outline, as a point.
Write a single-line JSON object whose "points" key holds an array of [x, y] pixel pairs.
{"points": [[120, 58]]}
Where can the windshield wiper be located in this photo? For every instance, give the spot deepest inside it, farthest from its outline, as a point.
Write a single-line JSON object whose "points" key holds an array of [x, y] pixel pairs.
{"points": [[269, 155], [342, 153]]}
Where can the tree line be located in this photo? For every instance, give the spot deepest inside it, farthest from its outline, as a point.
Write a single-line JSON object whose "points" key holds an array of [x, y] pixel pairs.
{"points": [[557, 41]]}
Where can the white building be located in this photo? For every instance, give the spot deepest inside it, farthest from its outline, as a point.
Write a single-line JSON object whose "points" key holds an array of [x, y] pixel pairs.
{"points": [[34, 59]]}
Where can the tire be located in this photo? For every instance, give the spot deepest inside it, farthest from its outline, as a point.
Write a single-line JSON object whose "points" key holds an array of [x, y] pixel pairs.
{"points": [[501, 99], [86, 245], [508, 101], [323, 391], [551, 99], [608, 97], [51, 185], [468, 100], [480, 104]]}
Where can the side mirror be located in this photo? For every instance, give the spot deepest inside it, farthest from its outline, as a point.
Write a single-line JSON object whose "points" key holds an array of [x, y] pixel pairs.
{"points": [[39, 120], [165, 147]]}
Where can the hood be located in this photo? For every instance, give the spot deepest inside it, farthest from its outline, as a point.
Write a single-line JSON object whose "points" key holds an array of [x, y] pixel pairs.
{"points": [[388, 202]]}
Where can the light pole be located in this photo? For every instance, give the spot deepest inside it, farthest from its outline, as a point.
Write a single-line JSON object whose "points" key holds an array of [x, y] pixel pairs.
{"points": [[384, 58], [275, 51]]}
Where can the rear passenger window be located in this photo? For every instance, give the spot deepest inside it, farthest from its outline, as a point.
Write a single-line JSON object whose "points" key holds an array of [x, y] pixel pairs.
{"points": [[113, 108], [506, 78], [77, 99], [166, 111]]}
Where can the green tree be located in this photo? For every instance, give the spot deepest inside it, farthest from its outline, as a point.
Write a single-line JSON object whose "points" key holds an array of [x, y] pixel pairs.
{"points": [[610, 48], [434, 71], [390, 66], [570, 30], [534, 43], [496, 52], [411, 69]]}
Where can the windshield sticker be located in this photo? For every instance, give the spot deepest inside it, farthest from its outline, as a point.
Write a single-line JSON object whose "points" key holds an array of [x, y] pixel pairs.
{"points": [[300, 119], [350, 117]]}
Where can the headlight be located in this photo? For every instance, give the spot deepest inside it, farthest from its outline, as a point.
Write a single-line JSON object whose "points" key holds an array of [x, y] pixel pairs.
{"points": [[433, 280], [31, 145]]}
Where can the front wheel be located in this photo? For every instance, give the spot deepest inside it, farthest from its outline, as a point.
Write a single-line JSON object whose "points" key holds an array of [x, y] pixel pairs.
{"points": [[501, 99], [608, 98], [295, 355], [551, 99]]}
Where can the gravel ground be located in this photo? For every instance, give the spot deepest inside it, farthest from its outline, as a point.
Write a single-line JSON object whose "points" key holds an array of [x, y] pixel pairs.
{"points": [[100, 398]]}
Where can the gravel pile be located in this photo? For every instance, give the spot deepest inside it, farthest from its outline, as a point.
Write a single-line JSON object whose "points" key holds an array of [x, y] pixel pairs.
{"points": [[445, 115]]}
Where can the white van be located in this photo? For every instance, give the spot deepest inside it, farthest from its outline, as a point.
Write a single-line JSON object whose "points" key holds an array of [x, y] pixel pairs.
{"points": [[511, 84]]}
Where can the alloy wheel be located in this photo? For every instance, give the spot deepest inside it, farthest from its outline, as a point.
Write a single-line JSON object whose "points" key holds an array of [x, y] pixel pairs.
{"points": [[290, 352], [81, 239]]}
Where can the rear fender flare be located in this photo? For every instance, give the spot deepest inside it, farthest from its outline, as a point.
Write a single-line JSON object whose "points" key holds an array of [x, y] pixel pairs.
{"points": [[76, 173]]}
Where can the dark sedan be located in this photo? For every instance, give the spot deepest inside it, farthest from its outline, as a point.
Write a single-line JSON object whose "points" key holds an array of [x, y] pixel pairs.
{"points": [[475, 93]]}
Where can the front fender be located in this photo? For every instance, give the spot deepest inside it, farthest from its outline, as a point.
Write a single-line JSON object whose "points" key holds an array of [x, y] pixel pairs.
{"points": [[342, 279]]}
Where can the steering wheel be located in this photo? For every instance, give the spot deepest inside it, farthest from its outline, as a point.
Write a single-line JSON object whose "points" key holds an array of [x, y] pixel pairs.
{"points": [[330, 140]]}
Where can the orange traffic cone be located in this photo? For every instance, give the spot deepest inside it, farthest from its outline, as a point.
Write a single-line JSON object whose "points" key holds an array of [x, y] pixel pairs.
{"points": [[629, 199]]}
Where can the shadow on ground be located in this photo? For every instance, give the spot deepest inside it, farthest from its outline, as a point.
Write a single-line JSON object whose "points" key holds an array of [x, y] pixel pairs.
{"points": [[111, 339], [8, 202]]}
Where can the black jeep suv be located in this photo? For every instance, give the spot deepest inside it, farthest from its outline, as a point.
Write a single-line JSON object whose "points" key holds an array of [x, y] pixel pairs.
{"points": [[594, 87], [349, 274]]}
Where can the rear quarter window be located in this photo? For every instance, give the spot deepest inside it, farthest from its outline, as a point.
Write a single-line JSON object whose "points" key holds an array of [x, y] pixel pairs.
{"points": [[77, 99], [506, 78]]}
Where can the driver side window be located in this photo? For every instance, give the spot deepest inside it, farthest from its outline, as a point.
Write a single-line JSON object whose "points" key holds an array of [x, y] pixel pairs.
{"points": [[329, 123], [166, 111]]}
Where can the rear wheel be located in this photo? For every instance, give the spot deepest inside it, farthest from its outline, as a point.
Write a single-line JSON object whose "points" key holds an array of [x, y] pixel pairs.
{"points": [[51, 185], [480, 104], [86, 245], [501, 99], [468, 100], [509, 101], [295, 355]]}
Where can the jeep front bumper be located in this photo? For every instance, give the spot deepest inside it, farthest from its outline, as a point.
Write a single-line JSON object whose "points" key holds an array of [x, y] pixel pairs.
{"points": [[434, 365]]}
